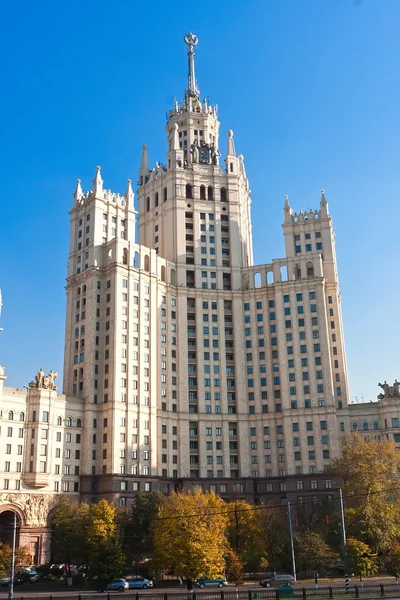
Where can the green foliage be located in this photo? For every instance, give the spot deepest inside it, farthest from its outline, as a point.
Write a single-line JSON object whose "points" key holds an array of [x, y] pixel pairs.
{"points": [[138, 541], [189, 534], [69, 542], [360, 562], [312, 552], [276, 537], [106, 562]]}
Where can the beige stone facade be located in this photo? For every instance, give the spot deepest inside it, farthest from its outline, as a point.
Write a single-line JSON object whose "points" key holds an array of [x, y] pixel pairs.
{"points": [[185, 363]]}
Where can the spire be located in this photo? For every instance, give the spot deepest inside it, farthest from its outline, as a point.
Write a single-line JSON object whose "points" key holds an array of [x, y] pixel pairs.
{"points": [[129, 193], [231, 144], [191, 41], [144, 165], [97, 183], [287, 210], [241, 165], [323, 205], [78, 193]]}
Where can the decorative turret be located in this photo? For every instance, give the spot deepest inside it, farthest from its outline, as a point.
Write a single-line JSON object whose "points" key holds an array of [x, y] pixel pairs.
{"points": [[324, 205], [98, 184], [78, 193]]}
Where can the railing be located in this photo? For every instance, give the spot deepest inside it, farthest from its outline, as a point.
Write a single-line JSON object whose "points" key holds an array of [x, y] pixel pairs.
{"points": [[272, 593]]}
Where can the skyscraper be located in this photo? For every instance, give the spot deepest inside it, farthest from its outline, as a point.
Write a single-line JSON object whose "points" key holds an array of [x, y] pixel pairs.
{"points": [[194, 363]]}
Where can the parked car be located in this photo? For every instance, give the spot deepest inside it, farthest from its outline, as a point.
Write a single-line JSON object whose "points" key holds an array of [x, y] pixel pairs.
{"points": [[119, 585], [139, 582], [201, 583], [278, 580], [6, 581]]}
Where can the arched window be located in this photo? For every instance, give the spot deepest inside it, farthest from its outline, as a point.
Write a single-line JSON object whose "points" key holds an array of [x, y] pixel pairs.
{"points": [[82, 329], [257, 279], [125, 256], [270, 277], [78, 423], [59, 421], [76, 330], [189, 191], [284, 273], [223, 195], [68, 422], [147, 204], [10, 415], [202, 192], [355, 427], [163, 278], [147, 263], [376, 425], [165, 194], [22, 416], [80, 373], [210, 193], [365, 426], [84, 289], [172, 276], [75, 373], [79, 291], [156, 199]]}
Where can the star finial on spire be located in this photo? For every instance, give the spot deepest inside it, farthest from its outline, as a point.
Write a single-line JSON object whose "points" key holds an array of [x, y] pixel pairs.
{"points": [[191, 41]]}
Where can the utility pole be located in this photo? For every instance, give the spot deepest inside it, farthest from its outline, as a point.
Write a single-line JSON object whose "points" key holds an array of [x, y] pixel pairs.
{"points": [[289, 514], [345, 565], [11, 590]]}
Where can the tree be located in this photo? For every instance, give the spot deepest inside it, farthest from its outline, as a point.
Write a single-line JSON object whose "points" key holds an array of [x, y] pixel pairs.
{"points": [[245, 534], [138, 543], [189, 534], [369, 470], [233, 567], [106, 559], [22, 558], [276, 535], [360, 561], [391, 560], [69, 542], [312, 551], [88, 536]]}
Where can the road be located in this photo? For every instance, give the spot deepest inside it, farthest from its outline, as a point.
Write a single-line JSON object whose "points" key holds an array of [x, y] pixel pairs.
{"points": [[29, 592]]}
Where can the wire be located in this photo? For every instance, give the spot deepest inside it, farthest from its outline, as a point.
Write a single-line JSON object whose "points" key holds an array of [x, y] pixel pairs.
{"points": [[233, 510]]}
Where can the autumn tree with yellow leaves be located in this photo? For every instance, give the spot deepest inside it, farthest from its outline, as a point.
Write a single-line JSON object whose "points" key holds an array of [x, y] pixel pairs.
{"points": [[189, 535], [369, 469]]}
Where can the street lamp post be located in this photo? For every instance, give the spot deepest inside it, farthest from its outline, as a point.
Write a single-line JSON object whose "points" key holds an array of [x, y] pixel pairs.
{"points": [[11, 590]]}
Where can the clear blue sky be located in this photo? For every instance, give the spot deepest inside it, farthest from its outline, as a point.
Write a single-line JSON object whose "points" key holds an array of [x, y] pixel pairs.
{"points": [[310, 88]]}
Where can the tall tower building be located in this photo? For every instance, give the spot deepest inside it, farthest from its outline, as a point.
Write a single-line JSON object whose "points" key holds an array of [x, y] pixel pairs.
{"points": [[194, 366]]}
